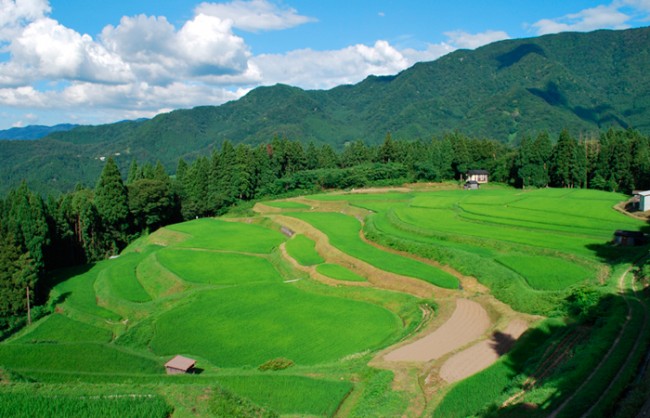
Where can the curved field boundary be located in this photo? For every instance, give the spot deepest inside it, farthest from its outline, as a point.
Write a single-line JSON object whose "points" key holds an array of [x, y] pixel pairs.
{"points": [[376, 277], [468, 322], [483, 354]]}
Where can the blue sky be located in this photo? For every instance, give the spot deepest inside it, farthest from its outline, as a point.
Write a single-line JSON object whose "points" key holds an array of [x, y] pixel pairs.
{"points": [[90, 62]]}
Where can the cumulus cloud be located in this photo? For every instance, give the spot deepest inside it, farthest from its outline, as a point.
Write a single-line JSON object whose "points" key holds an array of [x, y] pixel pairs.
{"points": [[204, 47], [600, 17], [46, 49], [324, 69], [254, 15], [461, 39], [15, 13]]}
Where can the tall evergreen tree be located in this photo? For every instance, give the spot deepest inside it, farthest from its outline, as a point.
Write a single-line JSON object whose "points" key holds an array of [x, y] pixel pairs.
{"points": [[111, 202]]}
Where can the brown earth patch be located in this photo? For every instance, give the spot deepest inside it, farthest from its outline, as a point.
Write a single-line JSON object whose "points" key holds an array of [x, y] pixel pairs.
{"points": [[483, 354], [468, 322]]}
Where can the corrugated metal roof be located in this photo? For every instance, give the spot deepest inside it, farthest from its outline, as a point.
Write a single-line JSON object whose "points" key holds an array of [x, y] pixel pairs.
{"points": [[181, 363]]}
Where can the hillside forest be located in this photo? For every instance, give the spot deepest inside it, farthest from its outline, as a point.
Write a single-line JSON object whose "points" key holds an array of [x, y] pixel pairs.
{"points": [[39, 235]]}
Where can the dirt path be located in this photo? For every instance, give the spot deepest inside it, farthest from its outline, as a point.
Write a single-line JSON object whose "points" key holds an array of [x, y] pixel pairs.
{"points": [[468, 323]]}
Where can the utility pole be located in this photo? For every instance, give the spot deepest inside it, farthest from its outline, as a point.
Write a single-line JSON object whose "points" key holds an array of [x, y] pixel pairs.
{"points": [[29, 313]]}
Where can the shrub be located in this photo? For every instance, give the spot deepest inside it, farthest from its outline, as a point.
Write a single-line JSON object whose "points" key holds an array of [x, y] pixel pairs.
{"points": [[280, 363]]}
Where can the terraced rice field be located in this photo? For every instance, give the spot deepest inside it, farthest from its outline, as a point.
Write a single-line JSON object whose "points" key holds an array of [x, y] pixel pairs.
{"points": [[413, 283]]}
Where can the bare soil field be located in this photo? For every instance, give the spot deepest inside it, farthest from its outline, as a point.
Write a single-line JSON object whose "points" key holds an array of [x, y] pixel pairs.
{"points": [[482, 354], [468, 322]]}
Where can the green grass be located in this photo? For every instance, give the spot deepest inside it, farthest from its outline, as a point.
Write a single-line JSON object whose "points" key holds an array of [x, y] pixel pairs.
{"points": [[287, 205], [78, 292], [303, 250], [249, 325], [59, 328], [121, 277], [157, 280], [75, 358], [218, 268], [546, 273], [215, 234], [295, 395], [338, 272], [343, 233], [29, 405]]}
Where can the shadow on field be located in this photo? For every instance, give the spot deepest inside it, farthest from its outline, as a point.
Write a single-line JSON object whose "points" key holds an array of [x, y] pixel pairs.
{"points": [[502, 343], [558, 357]]}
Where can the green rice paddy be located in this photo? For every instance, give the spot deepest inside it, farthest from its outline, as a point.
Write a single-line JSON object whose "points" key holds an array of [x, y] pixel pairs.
{"points": [[339, 272], [221, 292], [303, 250]]}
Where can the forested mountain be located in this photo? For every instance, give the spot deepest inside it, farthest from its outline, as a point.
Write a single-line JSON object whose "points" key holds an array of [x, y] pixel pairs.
{"points": [[34, 131], [582, 82]]}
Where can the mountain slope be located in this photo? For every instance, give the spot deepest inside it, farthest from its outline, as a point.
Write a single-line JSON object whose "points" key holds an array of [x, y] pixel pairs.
{"points": [[585, 82], [34, 131]]}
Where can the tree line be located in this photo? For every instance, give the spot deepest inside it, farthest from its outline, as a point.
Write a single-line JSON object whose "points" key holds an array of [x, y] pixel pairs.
{"points": [[40, 235]]}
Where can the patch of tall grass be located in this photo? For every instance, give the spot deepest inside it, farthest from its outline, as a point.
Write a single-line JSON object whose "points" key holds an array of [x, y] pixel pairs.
{"points": [[29, 405], [286, 394]]}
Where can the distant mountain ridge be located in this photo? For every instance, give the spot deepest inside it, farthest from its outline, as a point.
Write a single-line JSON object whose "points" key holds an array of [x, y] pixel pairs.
{"points": [[584, 82], [34, 131]]}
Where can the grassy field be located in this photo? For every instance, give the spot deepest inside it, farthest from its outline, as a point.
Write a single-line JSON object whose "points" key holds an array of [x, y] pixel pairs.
{"points": [[221, 292], [250, 325], [303, 250], [339, 272]]}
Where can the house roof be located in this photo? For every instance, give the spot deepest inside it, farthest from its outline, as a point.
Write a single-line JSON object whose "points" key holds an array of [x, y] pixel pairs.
{"points": [[181, 363], [478, 172]]}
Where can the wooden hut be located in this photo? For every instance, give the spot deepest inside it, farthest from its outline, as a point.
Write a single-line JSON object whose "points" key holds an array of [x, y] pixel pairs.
{"points": [[629, 238], [479, 176], [179, 365]]}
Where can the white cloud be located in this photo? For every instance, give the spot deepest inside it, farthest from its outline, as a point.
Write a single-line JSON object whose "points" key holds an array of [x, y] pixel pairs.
{"points": [[431, 53], [461, 39], [47, 50], [599, 17], [254, 15], [311, 69], [15, 13]]}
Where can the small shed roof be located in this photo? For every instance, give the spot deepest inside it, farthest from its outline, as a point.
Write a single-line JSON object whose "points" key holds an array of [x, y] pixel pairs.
{"points": [[632, 234], [642, 192], [471, 182], [181, 363]]}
